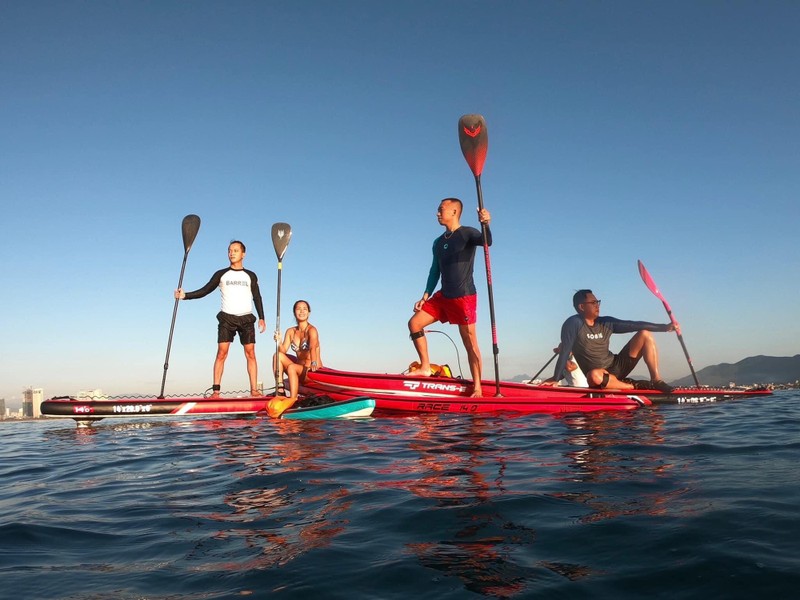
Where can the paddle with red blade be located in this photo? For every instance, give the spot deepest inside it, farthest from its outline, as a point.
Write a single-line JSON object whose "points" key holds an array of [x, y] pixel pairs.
{"points": [[474, 140], [651, 285], [189, 228], [281, 234]]}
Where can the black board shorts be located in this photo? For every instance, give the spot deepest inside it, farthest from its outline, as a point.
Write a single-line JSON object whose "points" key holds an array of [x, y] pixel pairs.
{"points": [[623, 364], [230, 325]]}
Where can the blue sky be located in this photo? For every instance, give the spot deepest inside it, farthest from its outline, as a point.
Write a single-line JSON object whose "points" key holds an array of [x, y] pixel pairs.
{"points": [[666, 132]]}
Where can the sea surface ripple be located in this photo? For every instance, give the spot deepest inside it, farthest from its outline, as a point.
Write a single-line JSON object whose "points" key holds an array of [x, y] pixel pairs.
{"points": [[669, 502]]}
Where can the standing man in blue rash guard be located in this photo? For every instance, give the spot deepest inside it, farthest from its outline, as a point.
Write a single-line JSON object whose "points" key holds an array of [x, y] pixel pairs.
{"points": [[240, 291], [588, 336], [456, 302]]}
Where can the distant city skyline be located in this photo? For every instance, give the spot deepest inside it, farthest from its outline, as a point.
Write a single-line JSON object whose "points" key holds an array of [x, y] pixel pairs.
{"points": [[35, 396]]}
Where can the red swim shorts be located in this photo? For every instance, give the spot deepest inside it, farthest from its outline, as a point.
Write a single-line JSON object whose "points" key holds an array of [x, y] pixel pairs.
{"points": [[458, 311]]}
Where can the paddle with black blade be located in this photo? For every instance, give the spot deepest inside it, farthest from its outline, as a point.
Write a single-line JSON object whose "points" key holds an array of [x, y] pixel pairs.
{"points": [[651, 285], [474, 140], [189, 228], [281, 234]]}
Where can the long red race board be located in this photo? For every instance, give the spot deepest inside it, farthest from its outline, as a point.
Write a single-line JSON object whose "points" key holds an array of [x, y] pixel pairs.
{"points": [[380, 386], [555, 404]]}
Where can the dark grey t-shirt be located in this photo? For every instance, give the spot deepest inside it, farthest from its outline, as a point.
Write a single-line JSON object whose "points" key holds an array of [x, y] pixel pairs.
{"points": [[590, 344]]}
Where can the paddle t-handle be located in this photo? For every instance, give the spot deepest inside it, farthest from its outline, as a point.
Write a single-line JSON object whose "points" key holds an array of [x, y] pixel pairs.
{"points": [[651, 285]]}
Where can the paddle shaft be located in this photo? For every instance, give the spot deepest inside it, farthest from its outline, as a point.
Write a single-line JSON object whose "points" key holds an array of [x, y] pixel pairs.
{"points": [[552, 358], [683, 344], [278, 331], [172, 326], [485, 232]]}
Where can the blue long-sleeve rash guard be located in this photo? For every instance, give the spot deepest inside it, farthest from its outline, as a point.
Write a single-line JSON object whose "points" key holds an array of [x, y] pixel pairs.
{"points": [[453, 260]]}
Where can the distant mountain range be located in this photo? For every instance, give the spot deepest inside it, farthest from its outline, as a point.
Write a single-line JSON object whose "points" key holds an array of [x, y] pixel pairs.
{"points": [[749, 371]]}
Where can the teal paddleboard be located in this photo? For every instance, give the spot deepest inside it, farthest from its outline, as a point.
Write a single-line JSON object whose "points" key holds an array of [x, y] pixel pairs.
{"points": [[344, 409]]}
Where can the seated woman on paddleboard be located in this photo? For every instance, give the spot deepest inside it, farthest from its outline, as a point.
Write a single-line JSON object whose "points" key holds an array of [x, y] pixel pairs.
{"points": [[303, 341]]}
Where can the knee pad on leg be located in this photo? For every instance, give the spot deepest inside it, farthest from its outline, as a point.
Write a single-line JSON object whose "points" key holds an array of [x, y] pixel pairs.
{"points": [[417, 334]]}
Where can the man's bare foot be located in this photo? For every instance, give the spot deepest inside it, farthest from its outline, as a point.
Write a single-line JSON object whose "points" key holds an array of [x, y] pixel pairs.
{"points": [[477, 393], [255, 394], [420, 372], [214, 395]]}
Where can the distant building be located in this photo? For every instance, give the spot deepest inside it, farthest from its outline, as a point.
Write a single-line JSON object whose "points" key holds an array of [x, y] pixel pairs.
{"points": [[92, 395], [38, 398], [27, 403], [3, 414], [32, 399]]}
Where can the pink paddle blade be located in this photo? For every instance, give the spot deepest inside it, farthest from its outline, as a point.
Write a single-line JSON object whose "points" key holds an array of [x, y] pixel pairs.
{"points": [[651, 285]]}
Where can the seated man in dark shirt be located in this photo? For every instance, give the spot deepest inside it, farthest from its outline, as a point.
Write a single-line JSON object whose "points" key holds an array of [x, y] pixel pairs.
{"points": [[588, 336]]}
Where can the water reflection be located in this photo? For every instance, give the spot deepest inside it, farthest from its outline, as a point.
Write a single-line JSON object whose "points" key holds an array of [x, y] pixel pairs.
{"points": [[617, 449], [464, 471], [478, 499], [479, 469], [278, 517]]}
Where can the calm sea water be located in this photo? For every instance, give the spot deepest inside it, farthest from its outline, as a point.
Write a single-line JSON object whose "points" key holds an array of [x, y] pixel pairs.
{"points": [[671, 502]]}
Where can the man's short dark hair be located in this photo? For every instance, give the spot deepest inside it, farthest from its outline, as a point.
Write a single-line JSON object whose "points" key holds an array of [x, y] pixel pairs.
{"points": [[458, 203], [244, 250], [580, 297]]}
